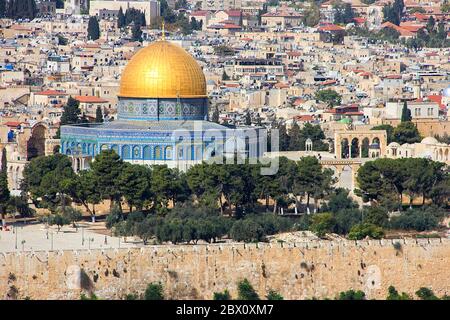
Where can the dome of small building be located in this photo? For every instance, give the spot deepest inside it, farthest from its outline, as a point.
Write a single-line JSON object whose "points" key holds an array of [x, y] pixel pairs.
{"points": [[394, 145], [162, 70], [429, 140]]}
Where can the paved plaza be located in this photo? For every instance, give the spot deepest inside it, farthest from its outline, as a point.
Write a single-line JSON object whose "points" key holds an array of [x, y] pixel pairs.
{"points": [[38, 237]]}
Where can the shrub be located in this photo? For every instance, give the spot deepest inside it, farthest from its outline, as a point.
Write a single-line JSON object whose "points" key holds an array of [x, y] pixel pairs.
{"points": [[352, 295], [114, 217], [303, 223], [246, 291], [415, 219], [340, 200], [71, 215], [362, 230], [273, 295], [394, 295], [322, 223], [246, 230], [426, 294], [58, 220], [131, 296], [271, 223], [376, 215], [92, 296], [346, 219], [154, 291], [225, 295]]}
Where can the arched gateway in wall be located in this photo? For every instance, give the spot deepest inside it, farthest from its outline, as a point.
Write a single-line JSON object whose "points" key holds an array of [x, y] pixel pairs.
{"points": [[36, 143], [350, 144]]}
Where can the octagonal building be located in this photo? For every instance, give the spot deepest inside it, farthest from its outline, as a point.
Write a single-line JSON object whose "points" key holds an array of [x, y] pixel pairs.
{"points": [[162, 116]]}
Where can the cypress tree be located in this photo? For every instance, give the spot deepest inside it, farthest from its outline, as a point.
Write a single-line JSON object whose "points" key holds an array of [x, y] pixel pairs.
{"points": [[71, 112], [406, 113], [121, 19], [31, 9], [4, 161], [215, 115], [93, 29], [143, 22], [98, 115], [2, 8], [4, 195], [59, 4], [136, 32], [10, 9], [295, 140], [283, 138], [225, 77], [248, 119]]}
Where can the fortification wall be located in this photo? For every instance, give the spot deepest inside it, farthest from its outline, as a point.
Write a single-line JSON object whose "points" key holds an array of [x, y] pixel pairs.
{"points": [[297, 271]]}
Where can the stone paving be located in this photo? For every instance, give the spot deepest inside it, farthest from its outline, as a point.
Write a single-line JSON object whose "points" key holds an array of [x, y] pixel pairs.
{"points": [[38, 237]]}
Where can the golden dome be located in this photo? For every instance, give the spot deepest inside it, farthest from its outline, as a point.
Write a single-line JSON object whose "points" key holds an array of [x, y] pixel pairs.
{"points": [[162, 70]]}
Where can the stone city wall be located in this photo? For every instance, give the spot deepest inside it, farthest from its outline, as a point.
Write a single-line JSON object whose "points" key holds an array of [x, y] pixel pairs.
{"points": [[297, 271]]}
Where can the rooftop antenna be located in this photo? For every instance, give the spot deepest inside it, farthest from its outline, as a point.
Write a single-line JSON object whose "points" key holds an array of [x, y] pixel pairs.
{"points": [[163, 36]]}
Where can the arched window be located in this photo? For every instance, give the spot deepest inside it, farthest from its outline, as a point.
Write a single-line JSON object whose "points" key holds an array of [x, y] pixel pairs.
{"points": [[158, 153], [169, 152], [115, 148], [180, 153], [104, 147], [136, 152], [147, 153], [126, 152]]}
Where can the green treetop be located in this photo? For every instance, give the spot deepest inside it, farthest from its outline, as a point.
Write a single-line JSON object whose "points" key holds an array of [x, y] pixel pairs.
{"points": [[93, 29]]}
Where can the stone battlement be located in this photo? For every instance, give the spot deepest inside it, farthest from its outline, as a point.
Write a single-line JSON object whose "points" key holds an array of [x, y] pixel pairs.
{"points": [[297, 270]]}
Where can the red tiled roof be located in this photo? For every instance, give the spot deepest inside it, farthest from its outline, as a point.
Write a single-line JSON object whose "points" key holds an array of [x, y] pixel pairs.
{"points": [[294, 53], [330, 27], [13, 124], [359, 20], [298, 102], [403, 32], [304, 117], [233, 13], [231, 26], [281, 14], [327, 82], [365, 74], [412, 28], [393, 76], [199, 13], [51, 93], [90, 99], [438, 99]]}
